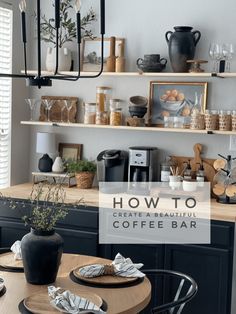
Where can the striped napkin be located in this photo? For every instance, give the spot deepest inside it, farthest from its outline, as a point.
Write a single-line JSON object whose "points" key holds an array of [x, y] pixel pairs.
{"points": [[121, 266], [71, 303]]}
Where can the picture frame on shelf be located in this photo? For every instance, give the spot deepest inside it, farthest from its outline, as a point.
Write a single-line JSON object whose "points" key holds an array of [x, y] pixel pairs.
{"points": [[91, 53], [175, 99], [70, 152], [58, 112]]}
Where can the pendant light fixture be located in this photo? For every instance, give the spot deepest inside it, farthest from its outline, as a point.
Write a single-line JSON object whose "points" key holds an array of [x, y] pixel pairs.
{"points": [[40, 80]]}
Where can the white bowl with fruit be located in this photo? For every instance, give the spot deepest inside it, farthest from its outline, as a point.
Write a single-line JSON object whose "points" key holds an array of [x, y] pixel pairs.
{"points": [[172, 100]]}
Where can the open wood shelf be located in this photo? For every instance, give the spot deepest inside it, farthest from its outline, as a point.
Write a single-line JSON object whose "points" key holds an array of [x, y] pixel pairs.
{"points": [[138, 74], [126, 128]]}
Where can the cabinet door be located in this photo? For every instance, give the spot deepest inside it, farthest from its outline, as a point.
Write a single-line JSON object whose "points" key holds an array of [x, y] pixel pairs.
{"points": [[210, 267], [79, 242], [10, 232], [152, 258]]}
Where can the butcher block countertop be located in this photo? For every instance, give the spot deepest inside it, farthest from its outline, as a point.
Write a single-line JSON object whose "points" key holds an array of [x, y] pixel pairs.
{"points": [[91, 198]]}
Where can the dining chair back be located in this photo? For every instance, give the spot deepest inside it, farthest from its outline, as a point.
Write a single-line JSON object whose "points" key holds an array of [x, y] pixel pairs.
{"points": [[185, 290]]}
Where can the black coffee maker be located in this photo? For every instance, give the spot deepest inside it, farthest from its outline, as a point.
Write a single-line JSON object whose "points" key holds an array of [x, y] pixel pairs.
{"points": [[112, 166]]}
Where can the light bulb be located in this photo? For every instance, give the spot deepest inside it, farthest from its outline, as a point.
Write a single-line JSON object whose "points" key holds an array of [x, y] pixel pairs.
{"points": [[77, 5], [22, 6]]}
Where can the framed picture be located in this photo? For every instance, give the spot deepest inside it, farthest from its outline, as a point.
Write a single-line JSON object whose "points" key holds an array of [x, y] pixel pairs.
{"points": [[72, 152], [175, 99], [91, 53]]}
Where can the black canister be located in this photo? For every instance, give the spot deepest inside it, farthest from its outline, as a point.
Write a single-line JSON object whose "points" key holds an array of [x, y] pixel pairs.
{"points": [[182, 44]]}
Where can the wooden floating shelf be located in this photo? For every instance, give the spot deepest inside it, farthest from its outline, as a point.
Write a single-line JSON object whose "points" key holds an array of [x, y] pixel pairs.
{"points": [[125, 128], [138, 74]]}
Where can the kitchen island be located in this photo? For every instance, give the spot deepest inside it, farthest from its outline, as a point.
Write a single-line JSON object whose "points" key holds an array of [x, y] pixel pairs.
{"points": [[212, 266]]}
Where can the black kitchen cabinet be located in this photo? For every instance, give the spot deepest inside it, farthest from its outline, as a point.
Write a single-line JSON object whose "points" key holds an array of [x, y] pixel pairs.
{"points": [[210, 268], [79, 242], [210, 265], [79, 229], [11, 231]]}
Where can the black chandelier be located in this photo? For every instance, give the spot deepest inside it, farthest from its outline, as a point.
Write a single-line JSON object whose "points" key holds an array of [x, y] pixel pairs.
{"points": [[39, 80]]}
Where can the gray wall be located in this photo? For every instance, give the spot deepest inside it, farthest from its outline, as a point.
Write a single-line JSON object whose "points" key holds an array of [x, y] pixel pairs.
{"points": [[144, 24]]}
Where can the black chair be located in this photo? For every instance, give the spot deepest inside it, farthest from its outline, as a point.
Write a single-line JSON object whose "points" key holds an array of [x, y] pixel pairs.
{"points": [[186, 290]]}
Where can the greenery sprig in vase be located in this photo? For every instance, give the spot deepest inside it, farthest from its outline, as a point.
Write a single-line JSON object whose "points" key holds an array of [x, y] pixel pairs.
{"points": [[68, 30], [42, 248]]}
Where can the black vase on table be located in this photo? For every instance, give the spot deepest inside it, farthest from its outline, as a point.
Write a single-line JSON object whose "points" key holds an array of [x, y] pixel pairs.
{"points": [[41, 254], [182, 45]]}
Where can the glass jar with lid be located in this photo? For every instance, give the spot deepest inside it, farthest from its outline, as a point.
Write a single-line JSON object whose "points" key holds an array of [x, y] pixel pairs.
{"points": [[90, 113], [115, 112], [103, 96], [102, 118]]}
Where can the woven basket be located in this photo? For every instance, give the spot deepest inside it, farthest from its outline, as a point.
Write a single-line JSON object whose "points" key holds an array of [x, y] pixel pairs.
{"points": [[84, 180]]}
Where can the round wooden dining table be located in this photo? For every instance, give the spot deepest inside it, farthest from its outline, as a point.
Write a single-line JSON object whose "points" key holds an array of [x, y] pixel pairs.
{"points": [[128, 300]]}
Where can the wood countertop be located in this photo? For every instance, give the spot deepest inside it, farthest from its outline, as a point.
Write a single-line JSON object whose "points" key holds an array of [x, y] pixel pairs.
{"points": [[90, 197]]}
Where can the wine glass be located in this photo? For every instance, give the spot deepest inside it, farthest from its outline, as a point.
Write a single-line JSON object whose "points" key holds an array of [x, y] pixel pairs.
{"points": [[215, 52], [228, 52], [48, 106], [32, 104], [218, 55], [68, 104], [212, 56]]}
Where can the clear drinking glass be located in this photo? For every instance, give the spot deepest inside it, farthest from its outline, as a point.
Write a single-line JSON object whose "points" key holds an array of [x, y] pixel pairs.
{"points": [[31, 102], [228, 53], [48, 106], [68, 106]]}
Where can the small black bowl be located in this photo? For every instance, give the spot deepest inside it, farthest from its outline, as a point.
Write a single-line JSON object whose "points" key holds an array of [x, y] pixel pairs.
{"points": [[137, 111]]}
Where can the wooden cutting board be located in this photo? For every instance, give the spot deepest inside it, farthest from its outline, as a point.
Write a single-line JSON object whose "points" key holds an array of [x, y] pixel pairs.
{"points": [[104, 280], [195, 161], [55, 112], [40, 303]]}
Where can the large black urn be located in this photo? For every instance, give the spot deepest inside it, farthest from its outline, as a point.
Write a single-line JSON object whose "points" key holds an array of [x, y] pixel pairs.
{"points": [[41, 253], [182, 44]]}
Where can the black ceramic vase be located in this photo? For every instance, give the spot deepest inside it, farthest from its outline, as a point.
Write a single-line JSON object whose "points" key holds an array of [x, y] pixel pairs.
{"points": [[41, 253], [182, 44]]}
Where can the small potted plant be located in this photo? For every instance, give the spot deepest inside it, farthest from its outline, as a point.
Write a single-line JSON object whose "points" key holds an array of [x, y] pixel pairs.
{"points": [[67, 33], [42, 248], [84, 171]]}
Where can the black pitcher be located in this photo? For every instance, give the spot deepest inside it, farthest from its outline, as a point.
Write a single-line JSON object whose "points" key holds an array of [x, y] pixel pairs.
{"points": [[182, 44]]}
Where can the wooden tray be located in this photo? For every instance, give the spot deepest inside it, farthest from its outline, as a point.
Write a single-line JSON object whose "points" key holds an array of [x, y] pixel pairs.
{"points": [[104, 280], [40, 303], [7, 261]]}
